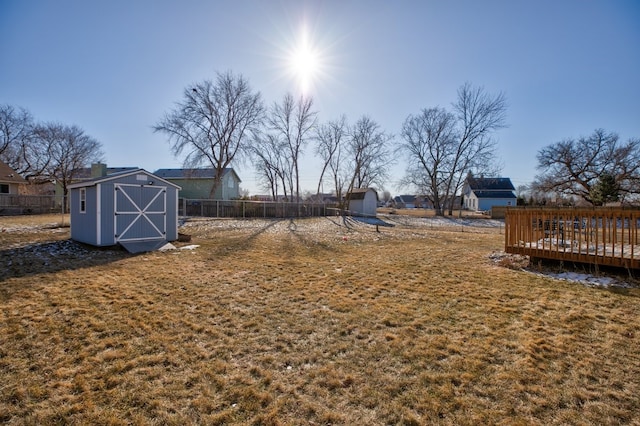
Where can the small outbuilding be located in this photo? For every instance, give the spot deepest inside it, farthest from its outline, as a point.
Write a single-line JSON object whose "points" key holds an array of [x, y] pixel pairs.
{"points": [[363, 202], [133, 208]]}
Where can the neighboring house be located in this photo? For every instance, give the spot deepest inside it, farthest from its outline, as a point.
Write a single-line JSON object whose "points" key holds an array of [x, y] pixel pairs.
{"points": [[87, 173], [481, 194], [197, 183], [363, 202], [10, 181], [133, 208], [405, 201]]}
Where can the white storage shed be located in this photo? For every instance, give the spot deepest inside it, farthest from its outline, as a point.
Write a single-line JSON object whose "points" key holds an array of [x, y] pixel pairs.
{"points": [[133, 208], [363, 202]]}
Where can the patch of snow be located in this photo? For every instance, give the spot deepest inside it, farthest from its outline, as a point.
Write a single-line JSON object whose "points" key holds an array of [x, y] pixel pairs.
{"points": [[588, 279], [520, 262], [166, 247], [190, 247]]}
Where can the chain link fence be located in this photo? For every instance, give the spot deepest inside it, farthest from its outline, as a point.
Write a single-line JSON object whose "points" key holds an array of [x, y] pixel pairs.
{"points": [[13, 204], [253, 209]]}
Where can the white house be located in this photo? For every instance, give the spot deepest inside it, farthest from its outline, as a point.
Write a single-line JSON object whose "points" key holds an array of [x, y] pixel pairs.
{"points": [[481, 194]]}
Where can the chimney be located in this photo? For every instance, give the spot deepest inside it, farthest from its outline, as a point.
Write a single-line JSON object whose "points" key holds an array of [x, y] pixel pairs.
{"points": [[98, 170]]}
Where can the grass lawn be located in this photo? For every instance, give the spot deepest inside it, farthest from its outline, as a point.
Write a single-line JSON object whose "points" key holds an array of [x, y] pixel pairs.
{"points": [[305, 322]]}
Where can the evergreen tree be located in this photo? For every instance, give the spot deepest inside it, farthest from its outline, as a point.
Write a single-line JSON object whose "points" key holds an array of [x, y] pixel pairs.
{"points": [[605, 190]]}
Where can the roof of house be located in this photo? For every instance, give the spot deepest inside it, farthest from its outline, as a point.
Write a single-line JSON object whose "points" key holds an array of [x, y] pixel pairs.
{"points": [[490, 184], [85, 172], [114, 176], [405, 199], [8, 175], [494, 194], [204, 173]]}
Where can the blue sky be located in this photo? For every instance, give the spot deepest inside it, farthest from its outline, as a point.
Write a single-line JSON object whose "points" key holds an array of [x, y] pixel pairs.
{"points": [[115, 67]]}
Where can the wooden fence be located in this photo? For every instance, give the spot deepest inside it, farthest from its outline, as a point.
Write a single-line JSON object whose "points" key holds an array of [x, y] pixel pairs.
{"points": [[596, 236]]}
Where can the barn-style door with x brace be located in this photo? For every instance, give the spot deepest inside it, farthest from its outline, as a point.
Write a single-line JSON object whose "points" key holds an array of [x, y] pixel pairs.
{"points": [[140, 212]]}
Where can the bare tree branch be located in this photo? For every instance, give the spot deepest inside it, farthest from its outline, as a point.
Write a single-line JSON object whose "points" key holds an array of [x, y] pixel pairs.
{"points": [[330, 138], [442, 147], [572, 167], [292, 121]]}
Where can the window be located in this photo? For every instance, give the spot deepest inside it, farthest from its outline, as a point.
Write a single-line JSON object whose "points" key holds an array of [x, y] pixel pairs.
{"points": [[4, 188], [83, 200]]}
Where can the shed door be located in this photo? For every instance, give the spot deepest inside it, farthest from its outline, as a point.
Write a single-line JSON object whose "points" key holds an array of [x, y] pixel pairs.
{"points": [[140, 212]]}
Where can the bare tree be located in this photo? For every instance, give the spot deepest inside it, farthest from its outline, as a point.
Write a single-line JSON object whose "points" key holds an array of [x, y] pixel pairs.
{"points": [[18, 147], [572, 167], [214, 123], [330, 139], [368, 154], [429, 141], [71, 149], [269, 163], [442, 147], [292, 121]]}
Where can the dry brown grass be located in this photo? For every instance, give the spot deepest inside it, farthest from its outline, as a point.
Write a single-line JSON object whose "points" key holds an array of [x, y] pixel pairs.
{"points": [[275, 323]]}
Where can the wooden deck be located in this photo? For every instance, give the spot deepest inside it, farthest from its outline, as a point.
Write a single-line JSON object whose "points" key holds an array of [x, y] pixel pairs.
{"points": [[596, 236]]}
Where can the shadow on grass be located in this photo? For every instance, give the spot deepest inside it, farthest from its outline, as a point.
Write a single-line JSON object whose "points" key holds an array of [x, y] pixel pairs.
{"points": [[305, 240], [244, 243], [51, 257]]}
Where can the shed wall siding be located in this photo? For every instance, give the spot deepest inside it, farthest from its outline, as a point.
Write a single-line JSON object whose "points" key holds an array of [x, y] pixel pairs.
{"points": [[366, 206], [172, 214], [107, 217], [83, 224]]}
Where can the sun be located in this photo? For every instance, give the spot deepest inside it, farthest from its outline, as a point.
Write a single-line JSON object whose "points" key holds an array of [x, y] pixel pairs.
{"points": [[305, 63]]}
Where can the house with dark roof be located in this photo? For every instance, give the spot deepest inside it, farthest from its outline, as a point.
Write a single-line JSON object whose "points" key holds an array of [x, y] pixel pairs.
{"points": [[198, 183], [405, 201], [481, 194], [10, 180]]}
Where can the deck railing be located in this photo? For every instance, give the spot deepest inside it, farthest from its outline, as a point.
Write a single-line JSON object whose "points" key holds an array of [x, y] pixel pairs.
{"points": [[597, 236]]}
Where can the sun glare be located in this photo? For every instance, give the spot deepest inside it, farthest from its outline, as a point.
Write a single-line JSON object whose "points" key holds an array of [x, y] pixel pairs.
{"points": [[304, 63]]}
